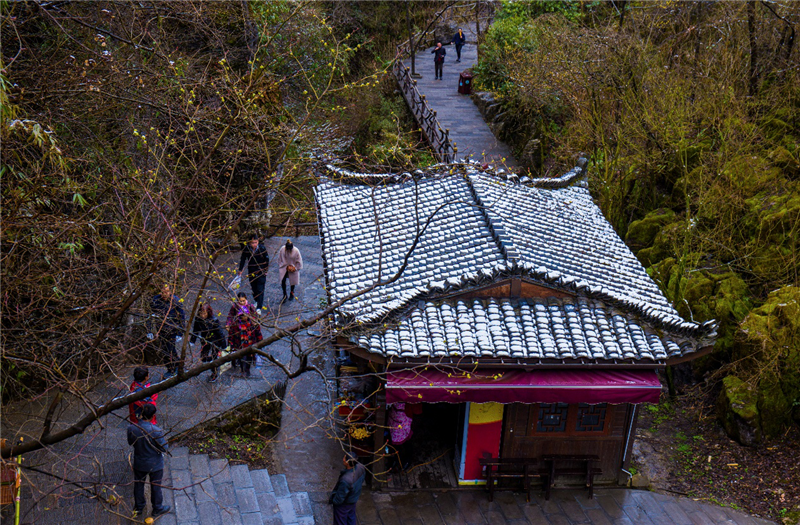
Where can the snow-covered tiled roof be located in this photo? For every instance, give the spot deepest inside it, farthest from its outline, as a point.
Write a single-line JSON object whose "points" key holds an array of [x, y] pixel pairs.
{"points": [[452, 231], [497, 328]]}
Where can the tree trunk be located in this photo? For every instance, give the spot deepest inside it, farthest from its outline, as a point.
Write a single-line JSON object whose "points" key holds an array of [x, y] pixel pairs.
{"points": [[751, 30]]}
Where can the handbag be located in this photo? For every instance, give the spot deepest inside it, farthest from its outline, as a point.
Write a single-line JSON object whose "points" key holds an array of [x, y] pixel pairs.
{"points": [[291, 269]]}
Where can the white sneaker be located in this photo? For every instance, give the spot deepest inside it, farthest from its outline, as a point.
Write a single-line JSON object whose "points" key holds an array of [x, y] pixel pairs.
{"points": [[258, 311]]}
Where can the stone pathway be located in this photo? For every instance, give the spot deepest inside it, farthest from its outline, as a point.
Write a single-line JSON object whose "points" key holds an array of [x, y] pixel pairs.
{"points": [[457, 112]]}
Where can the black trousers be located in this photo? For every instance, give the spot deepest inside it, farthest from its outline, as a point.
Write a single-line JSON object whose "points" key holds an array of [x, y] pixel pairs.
{"points": [[169, 352], [438, 69], [156, 497], [283, 284], [458, 50], [257, 284]]}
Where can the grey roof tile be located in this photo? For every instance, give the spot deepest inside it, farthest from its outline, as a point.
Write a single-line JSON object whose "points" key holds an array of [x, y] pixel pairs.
{"points": [[504, 327], [471, 229]]}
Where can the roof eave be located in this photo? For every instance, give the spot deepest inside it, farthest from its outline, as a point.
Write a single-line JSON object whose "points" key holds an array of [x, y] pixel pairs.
{"points": [[689, 356]]}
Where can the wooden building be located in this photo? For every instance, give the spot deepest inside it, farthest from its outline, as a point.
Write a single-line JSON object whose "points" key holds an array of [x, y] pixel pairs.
{"points": [[514, 302]]}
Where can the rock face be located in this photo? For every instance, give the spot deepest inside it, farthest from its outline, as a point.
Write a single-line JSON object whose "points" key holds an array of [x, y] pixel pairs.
{"points": [[653, 464], [737, 409], [484, 99]]}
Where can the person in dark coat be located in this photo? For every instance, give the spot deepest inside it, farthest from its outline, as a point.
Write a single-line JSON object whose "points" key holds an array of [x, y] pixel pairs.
{"points": [[255, 256], [212, 337], [459, 39], [438, 59], [149, 446], [347, 491], [167, 323]]}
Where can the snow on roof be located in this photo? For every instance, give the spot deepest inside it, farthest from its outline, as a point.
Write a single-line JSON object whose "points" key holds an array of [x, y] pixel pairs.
{"points": [[427, 235]]}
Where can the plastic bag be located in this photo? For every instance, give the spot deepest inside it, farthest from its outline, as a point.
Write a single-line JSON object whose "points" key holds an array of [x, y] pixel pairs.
{"points": [[235, 283], [227, 365]]}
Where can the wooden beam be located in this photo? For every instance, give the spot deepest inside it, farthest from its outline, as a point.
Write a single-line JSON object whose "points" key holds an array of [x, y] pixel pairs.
{"points": [[344, 344], [689, 357]]}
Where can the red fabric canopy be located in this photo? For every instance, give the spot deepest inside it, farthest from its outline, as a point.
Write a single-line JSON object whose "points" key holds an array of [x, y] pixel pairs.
{"points": [[434, 385]]}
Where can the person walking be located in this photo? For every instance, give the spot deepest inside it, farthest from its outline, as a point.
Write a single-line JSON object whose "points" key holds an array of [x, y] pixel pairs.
{"points": [[212, 337], [438, 60], [290, 262], [243, 330], [347, 491], [167, 323], [459, 39], [149, 446], [256, 258], [141, 376]]}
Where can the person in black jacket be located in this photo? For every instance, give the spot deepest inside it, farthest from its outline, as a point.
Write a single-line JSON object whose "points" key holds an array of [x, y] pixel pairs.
{"points": [[438, 59], [211, 335], [458, 40], [256, 258], [167, 323], [148, 444], [347, 491]]}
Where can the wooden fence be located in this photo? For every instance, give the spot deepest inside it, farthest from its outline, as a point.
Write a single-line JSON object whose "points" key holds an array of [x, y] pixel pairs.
{"points": [[443, 148]]}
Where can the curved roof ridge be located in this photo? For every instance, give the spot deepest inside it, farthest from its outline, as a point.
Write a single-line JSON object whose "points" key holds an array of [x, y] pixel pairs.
{"points": [[445, 290], [578, 173]]}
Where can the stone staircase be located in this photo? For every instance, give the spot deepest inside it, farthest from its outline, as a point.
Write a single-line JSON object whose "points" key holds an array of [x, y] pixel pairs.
{"points": [[213, 492]]}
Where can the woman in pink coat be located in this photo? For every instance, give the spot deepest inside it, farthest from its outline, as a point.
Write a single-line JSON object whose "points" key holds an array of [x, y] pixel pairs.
{"points": [[290, 262]]}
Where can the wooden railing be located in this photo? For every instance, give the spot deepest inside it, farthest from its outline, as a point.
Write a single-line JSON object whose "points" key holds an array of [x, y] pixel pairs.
{"points": [[443, 148]]}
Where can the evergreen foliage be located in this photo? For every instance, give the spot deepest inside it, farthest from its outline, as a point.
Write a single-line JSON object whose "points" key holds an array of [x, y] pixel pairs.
{"points": [[689, 113]]}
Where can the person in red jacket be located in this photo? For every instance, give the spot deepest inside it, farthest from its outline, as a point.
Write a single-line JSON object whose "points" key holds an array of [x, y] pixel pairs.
{"points": [[140, 382]]}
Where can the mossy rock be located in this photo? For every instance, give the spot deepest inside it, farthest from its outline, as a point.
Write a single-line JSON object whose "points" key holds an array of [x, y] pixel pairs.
{"points": [[642, 233], [697, 290], [737, 410], [772, 332], [705, 295], [773, 407], [772, 229], [782, 158]]}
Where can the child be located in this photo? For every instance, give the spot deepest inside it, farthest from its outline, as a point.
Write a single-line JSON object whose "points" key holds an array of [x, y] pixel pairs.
{"points": [[140, 382], [243, 330]]}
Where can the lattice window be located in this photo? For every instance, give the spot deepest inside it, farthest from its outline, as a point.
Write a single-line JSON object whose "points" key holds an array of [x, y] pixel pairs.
{"points": [[547, 419], [552, 417], [591, 418]]}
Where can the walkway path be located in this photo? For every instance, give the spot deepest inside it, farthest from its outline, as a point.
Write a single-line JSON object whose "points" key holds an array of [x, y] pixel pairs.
{"points": [[456, 112]]}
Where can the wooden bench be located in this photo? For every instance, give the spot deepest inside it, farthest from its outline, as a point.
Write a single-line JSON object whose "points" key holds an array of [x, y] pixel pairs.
{"points": [[570, 465], [509, 468]]}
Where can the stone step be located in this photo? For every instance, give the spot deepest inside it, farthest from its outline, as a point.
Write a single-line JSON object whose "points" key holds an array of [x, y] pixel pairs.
{"points": [[214, 492]]}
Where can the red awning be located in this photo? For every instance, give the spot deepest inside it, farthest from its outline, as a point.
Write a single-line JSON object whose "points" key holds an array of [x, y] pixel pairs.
{"points": [[434, 385]]}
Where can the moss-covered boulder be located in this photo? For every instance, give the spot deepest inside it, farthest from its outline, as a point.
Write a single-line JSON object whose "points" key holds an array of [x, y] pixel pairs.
{"points": [[773, 235], [773, 407], [772, 334], [737, 409], [642, 233]]}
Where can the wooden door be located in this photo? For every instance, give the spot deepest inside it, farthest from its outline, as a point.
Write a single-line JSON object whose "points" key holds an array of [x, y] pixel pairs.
{"points": [[531, 431]]}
